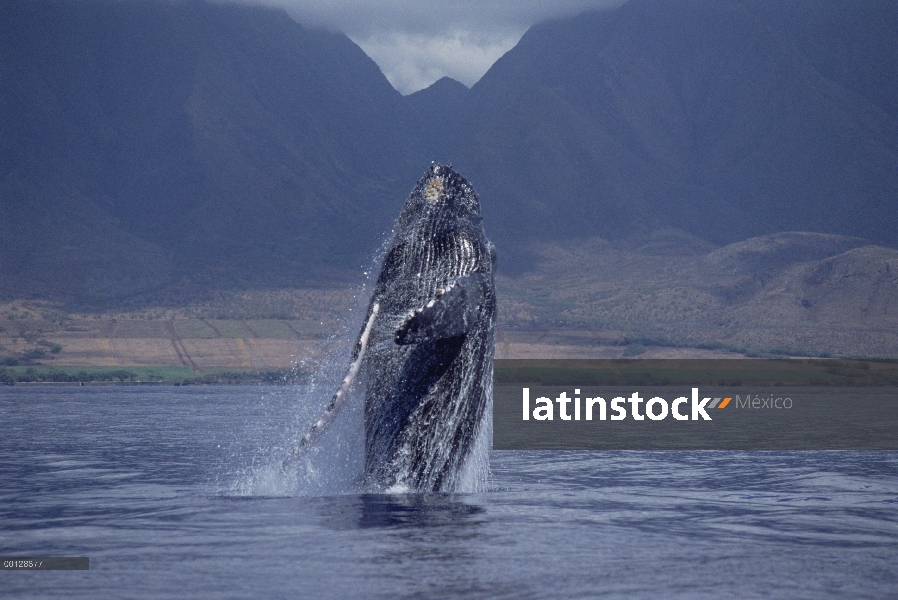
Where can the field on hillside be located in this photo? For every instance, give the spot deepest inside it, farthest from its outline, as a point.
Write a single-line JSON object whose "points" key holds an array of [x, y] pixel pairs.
{"points": [[787, 294], [667, 295]]}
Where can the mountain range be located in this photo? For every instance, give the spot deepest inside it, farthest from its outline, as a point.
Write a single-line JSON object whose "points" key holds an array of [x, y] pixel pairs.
{"points": [[158, 151]]}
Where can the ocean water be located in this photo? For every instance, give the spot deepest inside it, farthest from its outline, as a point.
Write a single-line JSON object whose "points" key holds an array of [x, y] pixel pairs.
{"points": [[171, 493]]}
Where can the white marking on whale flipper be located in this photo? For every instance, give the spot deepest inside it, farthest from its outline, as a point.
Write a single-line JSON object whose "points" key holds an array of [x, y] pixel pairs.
{"points": [[339, 397]]}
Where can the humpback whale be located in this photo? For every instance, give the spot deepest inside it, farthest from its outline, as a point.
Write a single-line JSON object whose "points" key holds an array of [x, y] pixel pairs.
{"points": [[425, 350]]}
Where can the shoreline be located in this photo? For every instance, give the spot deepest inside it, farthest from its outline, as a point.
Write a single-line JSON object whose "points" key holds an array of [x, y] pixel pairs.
{"points": [[730, 372]]}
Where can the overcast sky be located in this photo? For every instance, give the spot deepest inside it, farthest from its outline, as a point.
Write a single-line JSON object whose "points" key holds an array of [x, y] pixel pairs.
{"points": [[417, 42]]}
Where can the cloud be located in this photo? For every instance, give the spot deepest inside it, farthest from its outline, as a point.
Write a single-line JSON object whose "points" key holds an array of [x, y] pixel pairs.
{"points": [[417, 42], [414, 61]]}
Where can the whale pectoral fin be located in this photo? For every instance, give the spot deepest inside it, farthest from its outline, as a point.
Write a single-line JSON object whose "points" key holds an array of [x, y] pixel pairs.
{"points": [[339, 398], [450, 314]]}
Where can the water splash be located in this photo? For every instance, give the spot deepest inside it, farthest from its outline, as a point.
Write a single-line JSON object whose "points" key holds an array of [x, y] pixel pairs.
{"points": [[334, 464], [475, 475]]}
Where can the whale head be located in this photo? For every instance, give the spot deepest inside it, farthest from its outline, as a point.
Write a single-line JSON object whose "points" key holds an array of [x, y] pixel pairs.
{"points": [[438, 237]]}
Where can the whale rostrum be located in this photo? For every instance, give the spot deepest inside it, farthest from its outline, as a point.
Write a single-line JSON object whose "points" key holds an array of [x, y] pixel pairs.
{"points": [[425, 351]]}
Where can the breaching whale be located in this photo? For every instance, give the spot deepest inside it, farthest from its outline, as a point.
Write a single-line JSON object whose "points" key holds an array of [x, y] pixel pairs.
{"points": [[425, 350]]}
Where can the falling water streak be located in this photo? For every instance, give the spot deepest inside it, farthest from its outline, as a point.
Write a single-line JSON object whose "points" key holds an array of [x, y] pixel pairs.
{"points": [[333, 465]]}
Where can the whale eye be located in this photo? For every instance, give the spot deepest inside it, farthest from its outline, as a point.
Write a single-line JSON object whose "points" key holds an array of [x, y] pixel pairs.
{"points": [[434, 192]]}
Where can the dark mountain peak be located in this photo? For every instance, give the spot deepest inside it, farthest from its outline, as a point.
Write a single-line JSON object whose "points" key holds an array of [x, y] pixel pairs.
{"points": [[439, 100], [438, 108], [444, 86]]}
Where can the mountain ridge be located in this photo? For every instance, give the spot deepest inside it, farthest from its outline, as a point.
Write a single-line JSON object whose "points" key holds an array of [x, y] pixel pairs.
{"points": [[161, 152], [648, 118], [220, 148]]}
